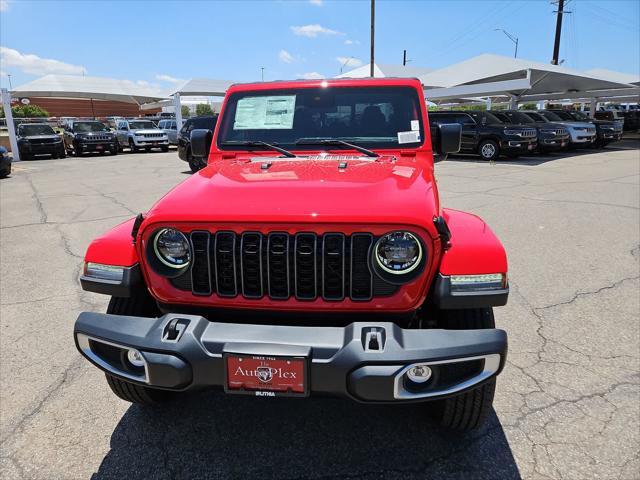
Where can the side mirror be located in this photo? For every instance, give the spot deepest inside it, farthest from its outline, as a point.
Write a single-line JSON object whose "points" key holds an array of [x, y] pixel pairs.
{"points": [[201, 142], [446, 138]]}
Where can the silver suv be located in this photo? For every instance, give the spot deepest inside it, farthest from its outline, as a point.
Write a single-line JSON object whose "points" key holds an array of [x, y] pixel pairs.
{"points": [[140, 134], [169, 126]]}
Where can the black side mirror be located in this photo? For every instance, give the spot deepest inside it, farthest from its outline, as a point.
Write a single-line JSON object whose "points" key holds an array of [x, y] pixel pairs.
{"points": [[201, 142], [446, 138]]}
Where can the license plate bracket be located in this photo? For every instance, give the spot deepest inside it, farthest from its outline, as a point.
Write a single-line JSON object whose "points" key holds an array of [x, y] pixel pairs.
{"points": [[266, 375]]}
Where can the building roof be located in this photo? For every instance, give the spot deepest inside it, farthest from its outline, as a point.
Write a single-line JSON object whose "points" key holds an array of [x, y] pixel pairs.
{"points": [[98, 88], [615, 76]]}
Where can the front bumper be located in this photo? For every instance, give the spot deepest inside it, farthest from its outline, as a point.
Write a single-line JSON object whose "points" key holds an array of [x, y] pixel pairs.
{"points": [[610, 135], [151, 142], [41, 148], [98, 146], [340, 359], [578, 136], [519, 145]]}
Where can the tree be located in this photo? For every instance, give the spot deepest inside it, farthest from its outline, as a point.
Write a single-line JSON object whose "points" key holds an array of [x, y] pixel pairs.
{"points": [[26, 111], [203, 109], [185, 111]]}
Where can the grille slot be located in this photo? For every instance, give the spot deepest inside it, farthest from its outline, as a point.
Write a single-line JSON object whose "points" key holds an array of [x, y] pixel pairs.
{"points": [[200, 276], [305, 266], [251, 264], [225, 259], [278, 265], [333, 275], [361, 278]]}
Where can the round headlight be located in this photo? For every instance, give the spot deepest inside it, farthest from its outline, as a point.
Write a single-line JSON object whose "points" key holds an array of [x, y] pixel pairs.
{"points": [[172, 248], [398, 252]]}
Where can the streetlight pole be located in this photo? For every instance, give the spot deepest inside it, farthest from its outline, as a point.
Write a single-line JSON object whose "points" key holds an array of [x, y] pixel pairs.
{"points": [[373, 35], [513, 38], [262, 73]]}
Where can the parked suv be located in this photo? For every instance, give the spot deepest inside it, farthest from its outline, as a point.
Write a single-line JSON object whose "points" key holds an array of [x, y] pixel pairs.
{"points": [[184, 140], [141, 134], [170, 127], [551, 136], [39, 139], [606, 131], [310, 257], [581, 133], [485, 134], [82, 136]]}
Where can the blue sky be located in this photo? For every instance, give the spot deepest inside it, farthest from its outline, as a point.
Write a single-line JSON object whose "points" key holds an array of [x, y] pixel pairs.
{"points": [[157, 43]]}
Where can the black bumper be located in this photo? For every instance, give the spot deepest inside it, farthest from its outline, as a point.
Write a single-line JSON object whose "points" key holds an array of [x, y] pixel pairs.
{"points": [[340, 359], [97, 146], [518, 145]]}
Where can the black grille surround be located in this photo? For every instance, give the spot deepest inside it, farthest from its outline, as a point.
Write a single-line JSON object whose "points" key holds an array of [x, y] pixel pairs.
{"points": [[278, 265]]}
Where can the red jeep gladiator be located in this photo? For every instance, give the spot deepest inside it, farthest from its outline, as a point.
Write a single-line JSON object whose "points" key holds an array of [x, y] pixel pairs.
{"points": [[310, 256]]}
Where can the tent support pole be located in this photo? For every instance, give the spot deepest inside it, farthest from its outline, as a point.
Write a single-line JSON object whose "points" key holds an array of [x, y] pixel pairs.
{"points": [[178, 110], [8, 115], [592, 107]]}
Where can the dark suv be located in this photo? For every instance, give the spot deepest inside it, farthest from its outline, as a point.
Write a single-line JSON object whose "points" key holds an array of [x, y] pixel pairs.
{"points": [[607, 131], [82, 136], [489, 137], [184, 139], [39, 139], [551, 136]]}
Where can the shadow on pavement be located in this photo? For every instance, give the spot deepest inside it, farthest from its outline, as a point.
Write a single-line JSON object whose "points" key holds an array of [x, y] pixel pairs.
{"points": [[210, 435]]}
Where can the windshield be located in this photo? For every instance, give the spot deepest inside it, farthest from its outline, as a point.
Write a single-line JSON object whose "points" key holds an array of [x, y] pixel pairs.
{"points": [[564, 116], [485, 118], [579, 116], [141, 125], [519, 117], [371, 117], [84, 127], [36, 129], [552, 117]]}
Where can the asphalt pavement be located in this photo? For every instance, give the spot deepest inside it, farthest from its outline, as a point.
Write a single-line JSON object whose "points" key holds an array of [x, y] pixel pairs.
{"points": [[567, 404]]}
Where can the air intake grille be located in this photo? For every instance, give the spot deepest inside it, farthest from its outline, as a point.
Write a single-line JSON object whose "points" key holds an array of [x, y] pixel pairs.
{"points": [[280, 266]]}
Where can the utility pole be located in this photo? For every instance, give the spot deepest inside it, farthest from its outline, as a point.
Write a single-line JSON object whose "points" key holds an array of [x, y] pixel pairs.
{"points": [[513, 38], [373, 35], [556, 44], [262, 73], [404, 59]]}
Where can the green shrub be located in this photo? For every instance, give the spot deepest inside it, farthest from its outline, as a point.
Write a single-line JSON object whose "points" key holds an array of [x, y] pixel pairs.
{"points": [[26, 111], [203, 109]]}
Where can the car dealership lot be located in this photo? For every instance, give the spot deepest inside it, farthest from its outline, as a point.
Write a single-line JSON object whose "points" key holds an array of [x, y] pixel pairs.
{"points": [[567, 404]]}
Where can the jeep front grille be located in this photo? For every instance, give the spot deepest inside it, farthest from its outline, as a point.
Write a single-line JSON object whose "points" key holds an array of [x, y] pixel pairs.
{"points": [[279, 265]]}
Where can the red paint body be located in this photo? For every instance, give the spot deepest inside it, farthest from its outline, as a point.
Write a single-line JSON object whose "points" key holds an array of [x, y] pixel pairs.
{"points": [[394, 191]]}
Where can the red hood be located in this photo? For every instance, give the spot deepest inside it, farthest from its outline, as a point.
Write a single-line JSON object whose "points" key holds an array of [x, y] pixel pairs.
{"points": [[369, 191]]}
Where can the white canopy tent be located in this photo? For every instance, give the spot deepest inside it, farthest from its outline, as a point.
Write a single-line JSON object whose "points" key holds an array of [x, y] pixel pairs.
{"points": [[98, 88], [198, 87], [381, 70], [494, 75]]}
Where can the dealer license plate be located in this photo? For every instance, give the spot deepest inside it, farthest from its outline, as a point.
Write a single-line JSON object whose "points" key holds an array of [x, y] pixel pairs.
{"points": [[531, 146], [99, 147], [266, 376]]}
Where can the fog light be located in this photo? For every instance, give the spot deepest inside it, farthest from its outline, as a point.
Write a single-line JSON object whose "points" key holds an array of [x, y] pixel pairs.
{"points": [[419, 373], [135, 358]]}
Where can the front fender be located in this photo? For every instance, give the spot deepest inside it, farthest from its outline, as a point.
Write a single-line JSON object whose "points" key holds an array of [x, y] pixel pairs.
{"points": [[115, 247], [474, 247], [474, 250]]}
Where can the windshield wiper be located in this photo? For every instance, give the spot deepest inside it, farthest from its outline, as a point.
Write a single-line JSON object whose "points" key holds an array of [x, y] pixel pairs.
{"points": [[336, 142], [258, 143]]}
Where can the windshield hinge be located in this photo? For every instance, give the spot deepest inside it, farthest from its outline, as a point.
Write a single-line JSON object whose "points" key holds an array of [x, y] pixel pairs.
{"points": [[444, 232], [136, 226]]}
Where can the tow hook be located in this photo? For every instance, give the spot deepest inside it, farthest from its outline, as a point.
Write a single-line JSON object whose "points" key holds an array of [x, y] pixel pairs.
{"points": [[174, 330], [373, 339]]}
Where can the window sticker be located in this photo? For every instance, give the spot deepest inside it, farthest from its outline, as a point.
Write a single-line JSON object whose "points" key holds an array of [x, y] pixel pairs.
{"points": [[408, 137], [265, 113], [415, 125]]}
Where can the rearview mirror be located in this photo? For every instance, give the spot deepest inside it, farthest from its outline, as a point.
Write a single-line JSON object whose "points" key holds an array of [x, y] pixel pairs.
{"points": [[201, 142], [446, 138]]}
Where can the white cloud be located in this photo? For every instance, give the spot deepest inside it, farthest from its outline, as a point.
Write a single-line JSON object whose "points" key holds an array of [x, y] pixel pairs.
{"points": [[34, 65], [351, 42], [4, 5], [317, 3], [168, 78], [350, 61], [313, 31], [285, 56], [310, 75]]}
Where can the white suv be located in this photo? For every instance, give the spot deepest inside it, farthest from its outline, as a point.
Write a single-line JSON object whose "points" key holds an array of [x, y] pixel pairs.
{"points": [[140, 134]]}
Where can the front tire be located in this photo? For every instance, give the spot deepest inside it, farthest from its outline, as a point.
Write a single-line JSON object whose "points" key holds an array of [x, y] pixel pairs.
{"points": [[489, 150], [140, 304], [132, 146], [469, 410]]}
